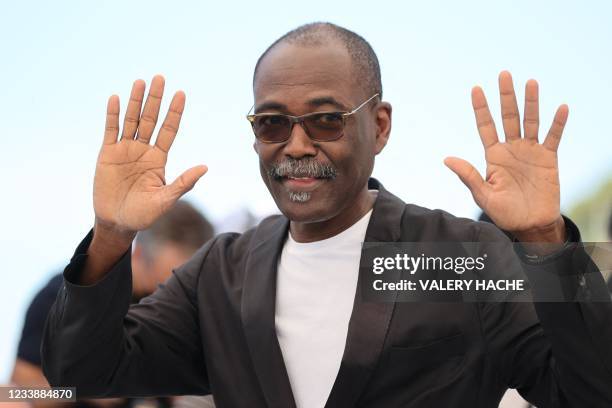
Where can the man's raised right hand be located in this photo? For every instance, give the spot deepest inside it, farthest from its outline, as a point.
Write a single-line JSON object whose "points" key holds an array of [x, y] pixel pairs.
{"points": [[130, 190]]}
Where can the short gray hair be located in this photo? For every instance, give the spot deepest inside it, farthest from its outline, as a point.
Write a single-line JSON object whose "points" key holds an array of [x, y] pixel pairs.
{"points": [[365, 62], [183, 226]]}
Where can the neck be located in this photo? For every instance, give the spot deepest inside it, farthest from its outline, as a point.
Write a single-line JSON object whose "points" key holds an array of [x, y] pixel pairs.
{"points": [[317, 231]]}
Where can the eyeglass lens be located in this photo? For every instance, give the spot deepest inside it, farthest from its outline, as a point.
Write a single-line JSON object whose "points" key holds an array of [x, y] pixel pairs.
{"points": [[324, 126]]}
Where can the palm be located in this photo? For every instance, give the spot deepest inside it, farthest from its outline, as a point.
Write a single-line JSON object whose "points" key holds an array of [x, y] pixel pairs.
{"points": [[130, 190], [521, 189], [129, 184], [524, 185]]}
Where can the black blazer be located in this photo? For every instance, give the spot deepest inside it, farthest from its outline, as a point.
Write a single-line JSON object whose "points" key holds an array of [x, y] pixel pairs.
{"points": [[210, 328]]}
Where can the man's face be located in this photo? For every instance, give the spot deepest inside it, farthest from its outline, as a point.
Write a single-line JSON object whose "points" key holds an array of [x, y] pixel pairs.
{"points": [[297, 80]]}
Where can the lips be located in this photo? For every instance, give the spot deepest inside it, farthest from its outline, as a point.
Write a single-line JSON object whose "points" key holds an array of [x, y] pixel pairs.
{"points": [[301, 183]]}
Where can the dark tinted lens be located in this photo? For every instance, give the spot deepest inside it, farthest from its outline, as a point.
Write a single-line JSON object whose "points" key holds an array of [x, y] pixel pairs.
{"points": [[272, 128], [325, 126]]}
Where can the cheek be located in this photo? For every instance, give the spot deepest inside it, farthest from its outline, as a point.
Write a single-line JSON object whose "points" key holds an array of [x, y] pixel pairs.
{"points": [[265, 152], [267, 156], [263, 172], [355, 158], [357, 171]]}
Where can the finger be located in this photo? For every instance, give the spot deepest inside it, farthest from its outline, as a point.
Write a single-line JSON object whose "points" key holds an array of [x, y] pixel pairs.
{"points": [[148, 119], [185, 182], [132, 113], [531, 120], [470, 177], [169, 128], [509, 107], [111, 129], [484, 121], [553, 138]]}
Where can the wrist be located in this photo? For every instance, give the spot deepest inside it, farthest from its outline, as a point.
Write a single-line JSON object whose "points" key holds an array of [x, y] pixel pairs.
{"points": [[543, 240], [107, 246], [111, 239], [551, 233]]}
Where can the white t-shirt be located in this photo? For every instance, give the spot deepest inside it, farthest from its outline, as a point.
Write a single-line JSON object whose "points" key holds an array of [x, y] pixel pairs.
{"points": [[315, 291]]}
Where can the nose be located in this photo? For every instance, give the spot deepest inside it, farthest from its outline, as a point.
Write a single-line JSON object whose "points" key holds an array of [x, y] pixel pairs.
{"points": [[299, 144]]}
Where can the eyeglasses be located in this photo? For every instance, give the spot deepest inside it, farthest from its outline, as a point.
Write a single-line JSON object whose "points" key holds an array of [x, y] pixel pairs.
{"points": [[319, 126]]}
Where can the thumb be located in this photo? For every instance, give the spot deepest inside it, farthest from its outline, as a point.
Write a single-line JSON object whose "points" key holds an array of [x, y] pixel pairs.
{"points": [[186, 181], [469, 176]]}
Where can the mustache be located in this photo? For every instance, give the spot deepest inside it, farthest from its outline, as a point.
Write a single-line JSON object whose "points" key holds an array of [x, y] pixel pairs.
{"points": [[307, 167]]}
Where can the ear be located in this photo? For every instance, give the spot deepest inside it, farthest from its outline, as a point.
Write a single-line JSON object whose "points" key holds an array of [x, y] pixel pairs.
{"points": [[383, 125]]}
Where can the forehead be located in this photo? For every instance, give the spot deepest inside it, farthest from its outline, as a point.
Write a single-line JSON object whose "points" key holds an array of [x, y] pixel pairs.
{"points": [[292, 74]]}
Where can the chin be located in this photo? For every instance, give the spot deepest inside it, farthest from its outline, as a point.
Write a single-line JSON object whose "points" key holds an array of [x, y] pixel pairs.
{"points": [[312, 210]]}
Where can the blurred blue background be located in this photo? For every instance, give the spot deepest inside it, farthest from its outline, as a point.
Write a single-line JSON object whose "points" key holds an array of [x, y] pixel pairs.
{"points": [[61, 60]]}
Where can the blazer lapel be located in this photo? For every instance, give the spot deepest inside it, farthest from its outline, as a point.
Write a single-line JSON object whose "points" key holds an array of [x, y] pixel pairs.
{"points": [[369, 321], [257, 312], [368, 324]]}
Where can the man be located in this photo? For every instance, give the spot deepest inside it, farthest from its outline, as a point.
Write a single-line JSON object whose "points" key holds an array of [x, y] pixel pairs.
{"points": [[276, 317], [27, 371], [610, 239], [165, 245]]}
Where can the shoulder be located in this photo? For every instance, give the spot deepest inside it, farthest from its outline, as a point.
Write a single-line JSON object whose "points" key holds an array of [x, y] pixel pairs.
{"points": [[36, 315], [44, 299], [418, 223], [436, 224], [235, 246], [228, 252]]}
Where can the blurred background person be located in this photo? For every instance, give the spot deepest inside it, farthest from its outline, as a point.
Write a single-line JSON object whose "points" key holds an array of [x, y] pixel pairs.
{"points": [[167, 244], [609, 269], [27, 371], [608, 254]]}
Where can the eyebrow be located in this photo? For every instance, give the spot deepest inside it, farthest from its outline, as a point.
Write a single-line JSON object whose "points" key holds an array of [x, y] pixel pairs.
{"points": [[270, 106], [326, 100], [315, 103]]}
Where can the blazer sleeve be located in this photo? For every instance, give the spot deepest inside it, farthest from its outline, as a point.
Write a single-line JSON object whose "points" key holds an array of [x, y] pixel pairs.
{"points": [[95, 341], [557, 350]]}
